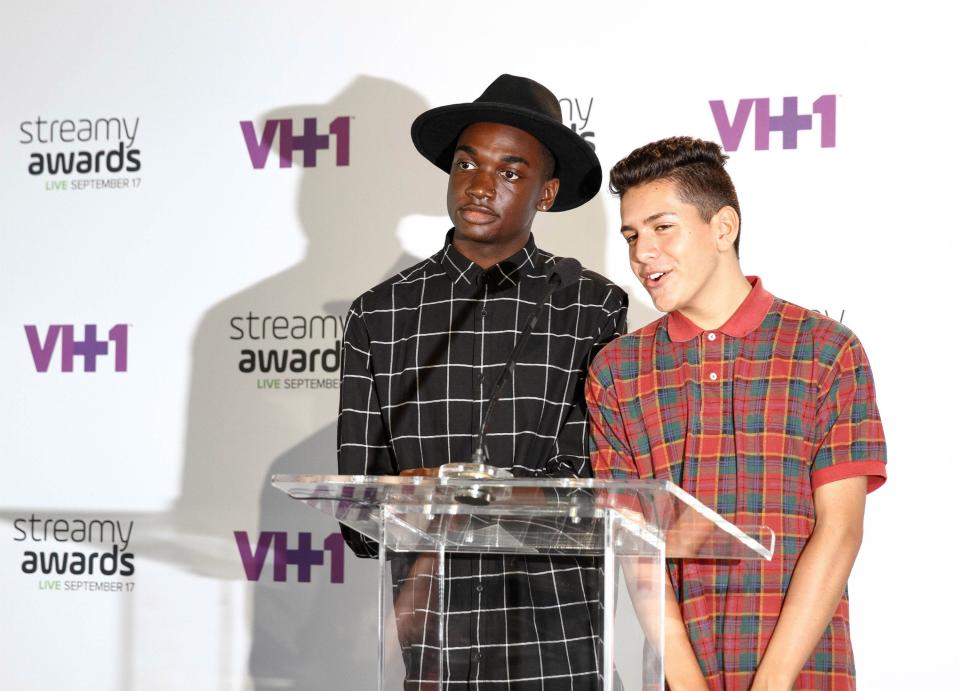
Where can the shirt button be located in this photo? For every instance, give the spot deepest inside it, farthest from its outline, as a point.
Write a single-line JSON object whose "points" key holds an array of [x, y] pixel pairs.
{"points": [[480, 377], [711, 336], [483, 313], [479, 655], [713, 376], [479, 588]]}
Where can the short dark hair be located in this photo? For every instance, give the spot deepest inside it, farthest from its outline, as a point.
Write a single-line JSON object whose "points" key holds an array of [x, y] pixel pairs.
{"points": [[695, 166]]}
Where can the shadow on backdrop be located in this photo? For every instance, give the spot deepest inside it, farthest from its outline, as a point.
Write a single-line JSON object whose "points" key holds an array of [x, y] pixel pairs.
{"points": [[302, 632]]}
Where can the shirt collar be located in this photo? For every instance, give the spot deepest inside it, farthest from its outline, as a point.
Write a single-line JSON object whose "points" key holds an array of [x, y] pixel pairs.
{"points": [[506, 273], [749, 316]]}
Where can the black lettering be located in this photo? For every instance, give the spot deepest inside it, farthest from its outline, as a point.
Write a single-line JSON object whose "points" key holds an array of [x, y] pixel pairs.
{"points": [[250, 320], [299, 328], [85, 133], [127, 568], [23, 128], [54, 561], [60, 163], [16, 526], [233, 325], [133, 160], [282, 324], [275, 361], [29, 564], [115, 159], [298, 363], [78, 566], [64, 130], [112, 556], [98, 158], [84, 162], [247, 362], [36, 164], [335, 352]]}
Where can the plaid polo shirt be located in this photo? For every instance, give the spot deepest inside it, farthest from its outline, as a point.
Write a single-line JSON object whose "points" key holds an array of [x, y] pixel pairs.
{"points": [[421, 352], [750, 419]]}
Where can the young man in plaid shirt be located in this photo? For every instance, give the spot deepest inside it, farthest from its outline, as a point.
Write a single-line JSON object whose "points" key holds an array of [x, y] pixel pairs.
{"points": [[421, 353], [763, 410]]}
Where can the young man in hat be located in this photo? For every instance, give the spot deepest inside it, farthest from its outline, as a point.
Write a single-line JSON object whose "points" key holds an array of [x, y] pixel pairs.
{"points": [[763, 410], [423, 349]]}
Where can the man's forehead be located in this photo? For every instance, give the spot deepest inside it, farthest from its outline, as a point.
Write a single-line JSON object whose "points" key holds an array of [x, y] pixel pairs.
{"points": [[649, 201]]}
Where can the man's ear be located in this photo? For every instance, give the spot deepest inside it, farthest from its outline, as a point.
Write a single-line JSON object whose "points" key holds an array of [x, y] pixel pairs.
{"points": [[726, 225], [549, 194]]}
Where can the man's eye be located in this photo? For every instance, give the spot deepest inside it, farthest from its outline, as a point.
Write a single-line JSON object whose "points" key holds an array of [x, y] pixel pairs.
{"points": [[630, 239], [663, 227], [510, 175], [463, 165]]}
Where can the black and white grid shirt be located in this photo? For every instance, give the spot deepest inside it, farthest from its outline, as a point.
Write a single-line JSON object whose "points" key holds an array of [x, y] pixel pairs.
{"points": [[421, 352]]}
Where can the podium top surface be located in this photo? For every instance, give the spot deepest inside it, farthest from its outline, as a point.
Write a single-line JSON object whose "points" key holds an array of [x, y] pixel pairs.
{"points": [[529, 515]]}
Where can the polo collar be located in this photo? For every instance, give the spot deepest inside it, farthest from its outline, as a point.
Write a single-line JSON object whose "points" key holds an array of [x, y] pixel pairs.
{"points": [[749, 316], [504, 274]]}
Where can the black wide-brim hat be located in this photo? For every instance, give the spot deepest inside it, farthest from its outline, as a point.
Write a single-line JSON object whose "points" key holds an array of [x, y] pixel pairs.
{"points": [[526, 105]]}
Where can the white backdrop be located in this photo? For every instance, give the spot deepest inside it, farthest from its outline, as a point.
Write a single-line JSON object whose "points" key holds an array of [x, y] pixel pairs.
{"points": [[170, 458]]}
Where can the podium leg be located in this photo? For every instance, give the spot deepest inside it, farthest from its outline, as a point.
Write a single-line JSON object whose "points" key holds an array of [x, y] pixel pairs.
{"points": [[609, 598]]}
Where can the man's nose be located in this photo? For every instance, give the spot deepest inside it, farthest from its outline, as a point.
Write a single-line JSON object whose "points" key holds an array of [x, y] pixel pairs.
{"points": [[482, 185], [645, 248]]}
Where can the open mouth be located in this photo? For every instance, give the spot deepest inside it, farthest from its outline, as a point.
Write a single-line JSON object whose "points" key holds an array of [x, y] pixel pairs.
{"points": [[655, 277]]}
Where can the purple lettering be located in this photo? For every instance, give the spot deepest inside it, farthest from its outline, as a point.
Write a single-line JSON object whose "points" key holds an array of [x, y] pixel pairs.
{"points": [[90, 348], [42, 354], [761, 124], [304, 557], [340, 127], [790, 122], [826, 108], [731, 133], [118, 334], [258, 150], [253, 561], [334, 544]]}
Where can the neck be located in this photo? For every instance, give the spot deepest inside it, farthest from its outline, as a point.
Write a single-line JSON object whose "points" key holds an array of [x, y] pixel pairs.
{"points": [[719, 297], [486, 254]]}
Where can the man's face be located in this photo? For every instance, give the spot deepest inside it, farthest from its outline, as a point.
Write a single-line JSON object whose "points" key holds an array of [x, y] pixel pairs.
{"points": [[673, 251], [497, 184]]}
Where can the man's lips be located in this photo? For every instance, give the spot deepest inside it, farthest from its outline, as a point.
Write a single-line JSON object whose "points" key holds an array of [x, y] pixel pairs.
{"points": [[476, 214], [655, 279]]}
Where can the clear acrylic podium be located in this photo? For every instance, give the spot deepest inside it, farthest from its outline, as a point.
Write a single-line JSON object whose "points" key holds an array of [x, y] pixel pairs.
{"points": [[631, 526]]}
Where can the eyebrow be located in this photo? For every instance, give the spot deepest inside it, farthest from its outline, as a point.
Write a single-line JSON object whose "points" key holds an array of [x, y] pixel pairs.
{"points": [[649, 219], [509, 158]]}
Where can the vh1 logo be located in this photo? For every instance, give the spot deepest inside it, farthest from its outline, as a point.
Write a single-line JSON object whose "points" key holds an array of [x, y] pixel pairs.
{"points": [[308, 143], [304, 557], [790, 121], [89, 348]]}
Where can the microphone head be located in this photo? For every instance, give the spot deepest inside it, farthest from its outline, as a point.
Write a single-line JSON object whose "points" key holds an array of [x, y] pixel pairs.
{"points": [[567, 270]]}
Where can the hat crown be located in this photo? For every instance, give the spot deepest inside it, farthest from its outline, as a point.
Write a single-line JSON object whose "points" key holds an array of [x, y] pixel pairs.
{"points": [[521, 92]]}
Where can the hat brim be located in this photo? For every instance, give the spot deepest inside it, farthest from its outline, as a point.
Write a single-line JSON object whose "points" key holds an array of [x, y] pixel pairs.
{"points": [[436, 131]]}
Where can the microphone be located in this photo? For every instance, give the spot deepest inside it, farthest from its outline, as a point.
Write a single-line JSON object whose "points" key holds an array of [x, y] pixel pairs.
{"points": [[565, 272]]}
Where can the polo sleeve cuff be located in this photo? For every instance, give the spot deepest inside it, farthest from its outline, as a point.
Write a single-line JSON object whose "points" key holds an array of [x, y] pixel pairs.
{"points": [[876, 472]]}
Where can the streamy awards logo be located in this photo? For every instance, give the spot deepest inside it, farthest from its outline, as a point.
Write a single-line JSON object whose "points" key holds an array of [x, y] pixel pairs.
{"points": [[56, 547], [289, 351], [791, 122], [77, 154]]}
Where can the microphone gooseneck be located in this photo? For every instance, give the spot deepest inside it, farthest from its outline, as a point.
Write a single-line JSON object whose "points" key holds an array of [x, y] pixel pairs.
{"points": [[565, 272]]}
